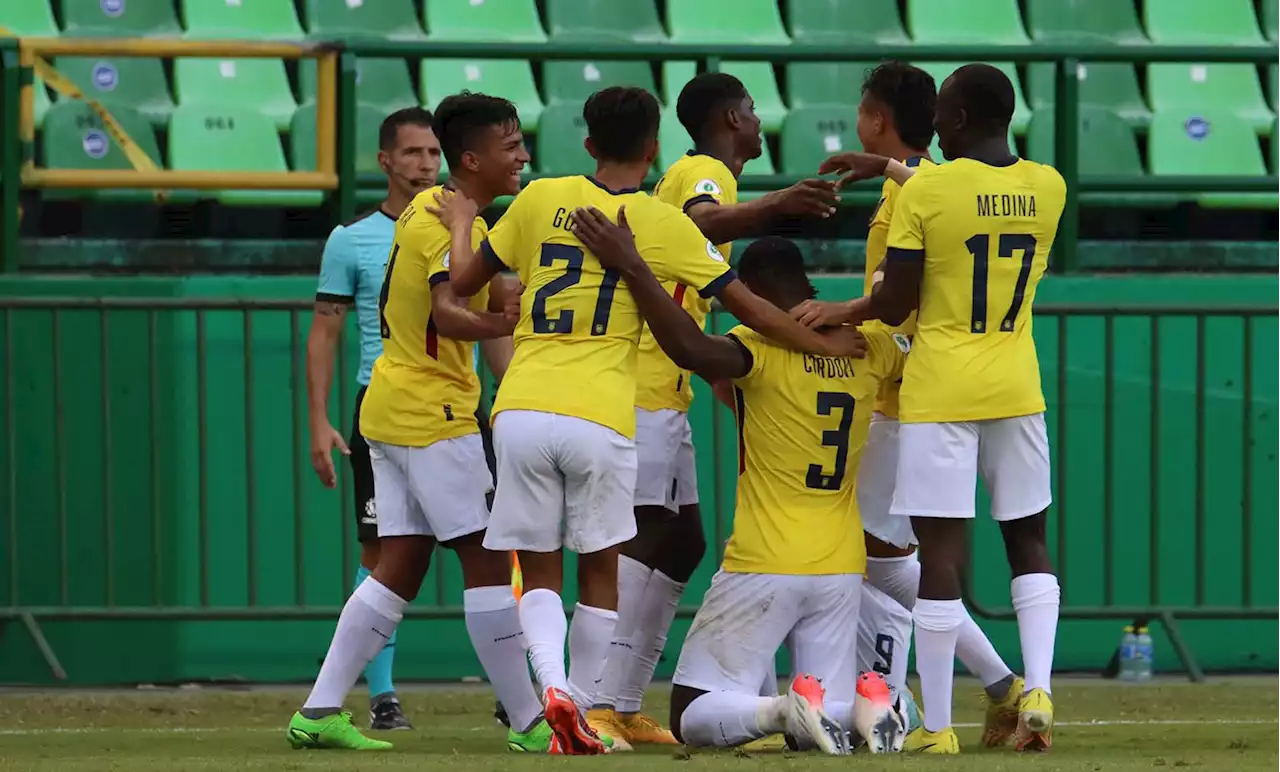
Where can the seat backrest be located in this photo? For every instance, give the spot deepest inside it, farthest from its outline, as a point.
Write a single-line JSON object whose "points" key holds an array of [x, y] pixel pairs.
{"points": [[837, 22], [380, 83], [127, 80], [302, 138], [393, 19], [512, 78], [574, 81], [559, 148], [275, 19], [1084, 21], [1216, 143], [1106, 144], [1224, 22], [591, 20], [259, 84], [756, 77], [489, 21], [811, 134], [75, 138], [125, 18], [209, 137], [29, 18], [1021, 113], [826, 83], [997, 22], [726, 21]]}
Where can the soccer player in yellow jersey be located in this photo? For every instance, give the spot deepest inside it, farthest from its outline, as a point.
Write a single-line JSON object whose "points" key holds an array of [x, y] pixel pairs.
{"points": [[967, 246], [429, 468], [655, 566], [798, 458], [564, 420]]}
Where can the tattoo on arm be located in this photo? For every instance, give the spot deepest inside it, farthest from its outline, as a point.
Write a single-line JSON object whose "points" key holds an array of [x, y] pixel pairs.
{"points": [[329, 308]]}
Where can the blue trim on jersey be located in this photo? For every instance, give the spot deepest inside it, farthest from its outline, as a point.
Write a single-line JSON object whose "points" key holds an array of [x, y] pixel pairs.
{"points": [[913, 161], [717, 286], [355, 258], [609, 190], [491, 257]]}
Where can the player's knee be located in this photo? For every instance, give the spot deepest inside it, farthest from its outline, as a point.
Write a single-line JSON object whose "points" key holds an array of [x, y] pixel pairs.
{"points": [[1026, 546], [480, 567], [370, 552], [403, 563], [598, 579], [685, 546], [681, 697], [652, 526]]}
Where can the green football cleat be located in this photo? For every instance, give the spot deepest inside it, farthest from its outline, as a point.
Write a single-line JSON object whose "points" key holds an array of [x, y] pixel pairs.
{"points": [[330, 732], [536, 740]]}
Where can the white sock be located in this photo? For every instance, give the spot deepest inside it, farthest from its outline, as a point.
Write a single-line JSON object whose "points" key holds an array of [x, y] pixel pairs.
{"points": [[899, 578], [937, 623], [653, 622], [545, 627], [726, 719], [589, 637], [368, 619], [842, 712], [494, 626], [974, 650], [632, 578], [1035, 599], [769, 688]]}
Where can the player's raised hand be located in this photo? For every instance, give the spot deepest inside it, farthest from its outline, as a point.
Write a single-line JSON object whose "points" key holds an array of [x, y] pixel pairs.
{"points": [[843, 341], [854, 166], [453, 208], [613, 245], [808, 198], [820, 313], [324, 439]]}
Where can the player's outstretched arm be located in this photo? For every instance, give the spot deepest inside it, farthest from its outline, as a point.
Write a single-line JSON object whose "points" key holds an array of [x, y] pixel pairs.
{"points": [[455, 319], [689, 348], [855, 166], [727, 222], [772, 322], [467, 272]]}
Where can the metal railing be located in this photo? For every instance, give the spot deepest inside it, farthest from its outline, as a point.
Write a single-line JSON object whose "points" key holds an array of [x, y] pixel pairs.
{"points": [[198, 517]]}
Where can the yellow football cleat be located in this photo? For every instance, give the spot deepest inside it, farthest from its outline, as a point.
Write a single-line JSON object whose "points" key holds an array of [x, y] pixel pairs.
{"points": [[608, 723], [1002, 716], [642, 730], [1035, 722], [943, 743], [774, 742]]}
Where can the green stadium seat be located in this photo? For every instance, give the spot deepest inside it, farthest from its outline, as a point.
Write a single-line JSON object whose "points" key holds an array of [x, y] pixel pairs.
{"points": [[826, 83], [757, 77], [512, 78], [1106, 144], [1110, 85], [302, 138], [574, 81], [257, 19], [1188, 88], [811, 134], [256, 84], [725, 22], [385, 19], [1021, 112], [840, 22], [674, 141], [1273, 83], [935, 149], [138, 84], [1208, 143], [1275, 146], [383, 84], [604, 20], [74, 138], [29, 18], [559, 148], [123, 18], [231, 138], [487, 21], [1270, 22], [1084, 21], [986, 22]]}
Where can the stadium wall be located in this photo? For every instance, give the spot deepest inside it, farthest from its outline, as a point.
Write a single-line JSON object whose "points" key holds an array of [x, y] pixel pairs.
{"points": [[133, 525]]}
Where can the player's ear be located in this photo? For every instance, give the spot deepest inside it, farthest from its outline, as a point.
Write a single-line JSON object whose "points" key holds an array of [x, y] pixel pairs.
{"points": [[591, 147], [470, 161], [384, 161]]}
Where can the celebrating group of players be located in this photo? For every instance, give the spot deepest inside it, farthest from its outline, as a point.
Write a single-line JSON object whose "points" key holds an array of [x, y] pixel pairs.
{"points": [[595, 342]]}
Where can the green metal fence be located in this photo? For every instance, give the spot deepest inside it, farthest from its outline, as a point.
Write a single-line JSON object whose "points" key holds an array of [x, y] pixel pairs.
{"points": [[155, 467]]}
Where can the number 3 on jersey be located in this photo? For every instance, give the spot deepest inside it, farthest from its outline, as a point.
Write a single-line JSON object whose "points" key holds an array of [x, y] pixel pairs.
{"points": [[1006, 244], [562, 322], [828, 403]]}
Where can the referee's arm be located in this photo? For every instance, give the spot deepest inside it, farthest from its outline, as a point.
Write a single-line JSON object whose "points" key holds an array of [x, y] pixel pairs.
{"points": [[334, 296]]}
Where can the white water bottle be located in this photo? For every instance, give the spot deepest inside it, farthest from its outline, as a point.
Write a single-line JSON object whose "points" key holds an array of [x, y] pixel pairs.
{"points": [[1129, 655], [1144, 659]]}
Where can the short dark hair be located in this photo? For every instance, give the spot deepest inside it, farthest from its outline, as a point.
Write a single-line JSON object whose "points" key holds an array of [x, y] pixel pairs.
{"points": [[621, 120], [704, 97], [408, 116], [911, 94], [776, 263], [986, 94], [461, 118]]}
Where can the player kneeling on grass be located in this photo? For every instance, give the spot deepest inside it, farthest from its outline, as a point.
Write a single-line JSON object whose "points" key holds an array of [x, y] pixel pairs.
{"points": [[430, 475], [793, 567]]}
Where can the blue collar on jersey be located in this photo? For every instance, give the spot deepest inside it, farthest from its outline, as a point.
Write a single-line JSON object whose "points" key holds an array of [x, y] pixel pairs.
{"points": [[610, 190], [913, 161]]}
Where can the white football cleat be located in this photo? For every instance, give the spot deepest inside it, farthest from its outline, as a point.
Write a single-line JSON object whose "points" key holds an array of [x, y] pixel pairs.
{"points": [[875, 717], [807, 721]]}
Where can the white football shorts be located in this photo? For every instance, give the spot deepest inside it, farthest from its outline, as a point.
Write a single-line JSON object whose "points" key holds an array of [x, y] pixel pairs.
{"points": [[877, 475], [562, 482], [884, 637], [666, 469], [939, 464], [435, 491], [744, 618]]}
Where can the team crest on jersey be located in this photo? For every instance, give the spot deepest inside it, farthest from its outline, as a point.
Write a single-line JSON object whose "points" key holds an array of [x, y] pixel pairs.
{"points": [[714, 253], [709, 187], [904, 343]]}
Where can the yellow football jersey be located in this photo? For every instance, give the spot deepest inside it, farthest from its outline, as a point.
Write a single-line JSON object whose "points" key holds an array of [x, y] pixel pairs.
{"points": [[424, 387], [986, 232], [576, 342], [695, 178], [877, 245], [802, 424]]}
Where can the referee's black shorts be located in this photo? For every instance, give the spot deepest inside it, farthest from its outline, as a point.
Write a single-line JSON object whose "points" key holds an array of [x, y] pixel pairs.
{"points": [[362, 471]]}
